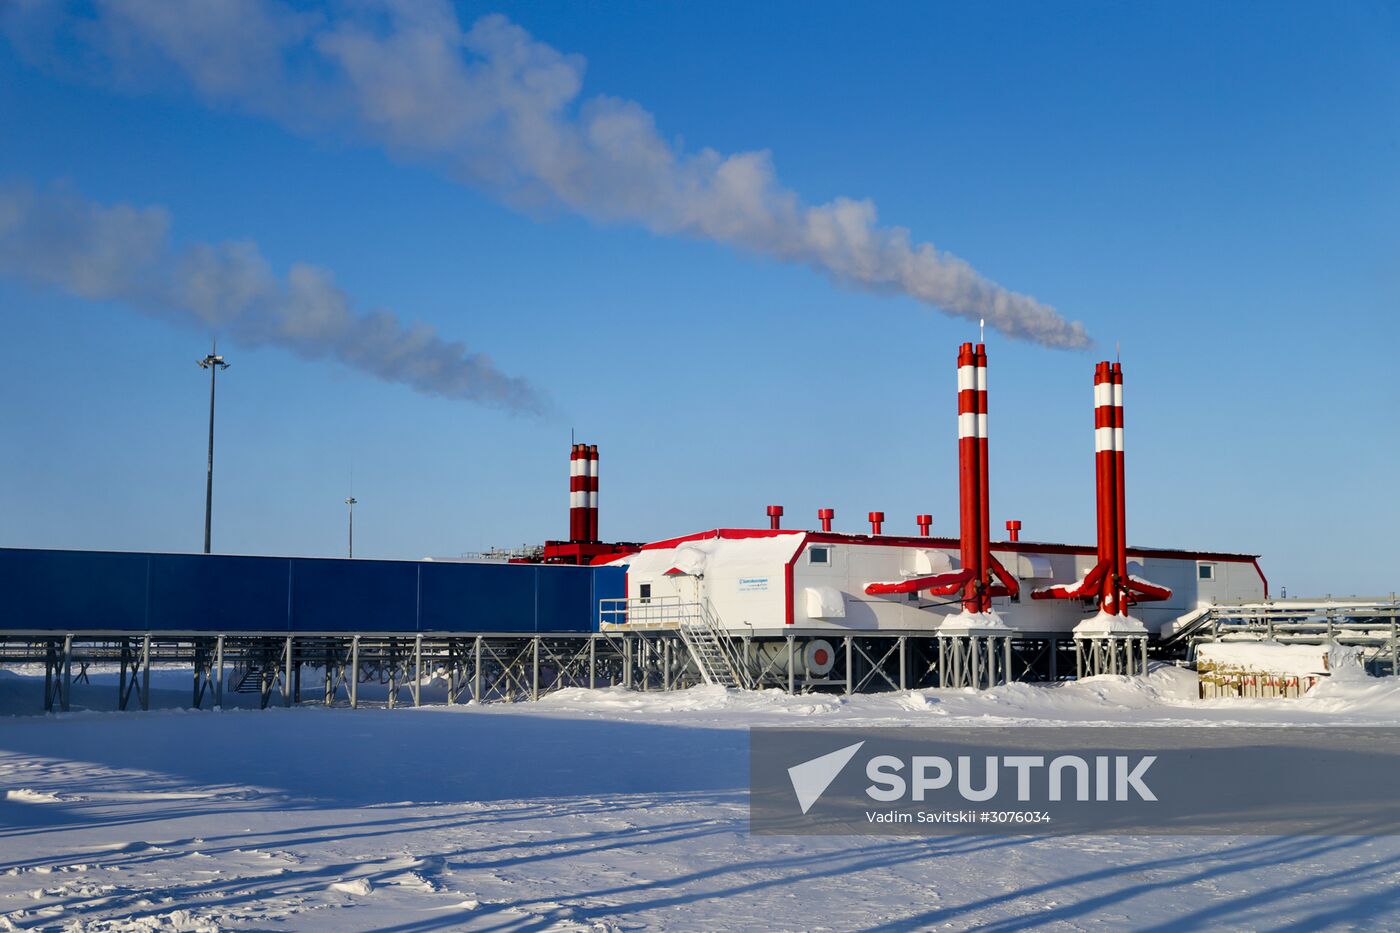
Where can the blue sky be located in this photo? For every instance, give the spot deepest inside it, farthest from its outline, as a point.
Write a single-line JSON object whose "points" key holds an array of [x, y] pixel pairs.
{"points": [[1213, 186]]}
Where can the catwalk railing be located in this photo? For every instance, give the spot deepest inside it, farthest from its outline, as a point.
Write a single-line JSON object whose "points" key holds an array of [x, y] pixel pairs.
{"points": [[1371, 624], [711, 647], [337, 669]]}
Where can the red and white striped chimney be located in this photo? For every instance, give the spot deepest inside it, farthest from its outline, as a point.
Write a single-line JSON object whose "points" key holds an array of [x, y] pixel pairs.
{"points": [[1120, 534], [1108, 473], [591, 488], [576, 494], [974, 536], [984, 531]]}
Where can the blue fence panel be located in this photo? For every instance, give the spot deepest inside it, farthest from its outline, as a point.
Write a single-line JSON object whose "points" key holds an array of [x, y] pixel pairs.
{"points": [[54, 590], [565, 595], [608, 583], [203, 593], [478, 597], [354, 595], [72, 590]]}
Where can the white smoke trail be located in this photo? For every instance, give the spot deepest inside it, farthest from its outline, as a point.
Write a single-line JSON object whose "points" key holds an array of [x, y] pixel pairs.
{"points": [[122, 253], [495, 108]]}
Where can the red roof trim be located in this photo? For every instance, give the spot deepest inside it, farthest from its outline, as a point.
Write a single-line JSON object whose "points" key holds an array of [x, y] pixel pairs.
{"points": [[1019, 547], [1026, 547], [787, 579]]}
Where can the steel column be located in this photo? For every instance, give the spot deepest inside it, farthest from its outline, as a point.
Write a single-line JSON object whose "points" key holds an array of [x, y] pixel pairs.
{"points": [[219, 672], [418, 670], [146, 673], [287, 677]]}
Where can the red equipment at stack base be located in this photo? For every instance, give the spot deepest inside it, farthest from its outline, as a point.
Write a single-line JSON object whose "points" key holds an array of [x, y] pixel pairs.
{"points": [[1110, 579]]}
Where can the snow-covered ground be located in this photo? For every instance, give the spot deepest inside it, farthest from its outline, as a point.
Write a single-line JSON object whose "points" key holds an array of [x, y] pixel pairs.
{"points": [[603, 810]]}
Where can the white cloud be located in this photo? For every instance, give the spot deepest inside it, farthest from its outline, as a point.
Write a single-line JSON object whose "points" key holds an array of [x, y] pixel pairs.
{"points": [[496, 109], [122, 253]]}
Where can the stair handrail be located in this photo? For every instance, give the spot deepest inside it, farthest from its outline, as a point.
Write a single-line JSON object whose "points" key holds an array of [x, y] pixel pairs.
{"points": [[743, 677]]}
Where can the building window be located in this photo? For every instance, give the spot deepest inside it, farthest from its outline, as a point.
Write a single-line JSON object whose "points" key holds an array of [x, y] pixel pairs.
{"points": [[1205, 571], [644, 592], [819, 555]]}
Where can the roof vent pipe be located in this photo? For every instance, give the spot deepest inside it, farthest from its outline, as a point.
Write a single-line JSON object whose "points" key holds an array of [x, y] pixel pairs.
{"points": [[877, 521], [1014, 527], [826, 515], [775, 517], [924, 522]]}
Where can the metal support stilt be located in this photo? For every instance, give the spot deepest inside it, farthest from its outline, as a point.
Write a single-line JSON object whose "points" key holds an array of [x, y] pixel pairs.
{"points": [[535, 668], [791, 665], [146, 673], [850, 673], [418, 670], [476, 672], [287, 677], [355, 672], [121, 677], [219, 672], [67, 687]]}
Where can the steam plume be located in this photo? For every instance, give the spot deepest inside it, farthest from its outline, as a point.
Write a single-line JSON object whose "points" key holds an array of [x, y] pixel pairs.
{"points": [[122, 253], [495, 108]]}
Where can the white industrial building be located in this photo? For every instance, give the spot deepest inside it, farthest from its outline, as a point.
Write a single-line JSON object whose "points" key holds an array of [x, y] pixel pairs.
{"points": [[773, 582]]}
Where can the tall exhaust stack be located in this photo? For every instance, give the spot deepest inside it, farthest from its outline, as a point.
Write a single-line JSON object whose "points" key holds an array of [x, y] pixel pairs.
{"points": [[1120, 531], [1108, 472], [974, 512], [1109, 581], [984, 515], [576, 494], [591, 487]]}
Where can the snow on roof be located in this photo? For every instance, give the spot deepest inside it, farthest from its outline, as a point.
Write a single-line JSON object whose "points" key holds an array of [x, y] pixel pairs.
{"points": [[1263, 657], [1026, 547], [692, 555]]}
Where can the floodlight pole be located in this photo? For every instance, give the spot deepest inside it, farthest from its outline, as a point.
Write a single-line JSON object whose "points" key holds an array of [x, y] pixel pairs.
{"points": [[213, 362], [351, 502]]}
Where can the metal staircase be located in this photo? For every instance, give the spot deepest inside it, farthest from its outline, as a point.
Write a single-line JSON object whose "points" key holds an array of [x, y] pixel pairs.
{"points": [[247, 679], [712, 649], [708, 643]]}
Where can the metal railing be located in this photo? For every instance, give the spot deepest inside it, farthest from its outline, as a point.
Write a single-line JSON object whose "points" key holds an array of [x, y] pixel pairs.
{"points": [[650, 612], [1371, 624], [711, 646]]}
